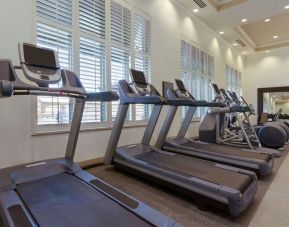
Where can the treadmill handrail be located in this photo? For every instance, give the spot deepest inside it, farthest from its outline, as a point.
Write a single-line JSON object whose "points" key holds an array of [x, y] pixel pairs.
{"points": [[11, 84], [177, 99]]}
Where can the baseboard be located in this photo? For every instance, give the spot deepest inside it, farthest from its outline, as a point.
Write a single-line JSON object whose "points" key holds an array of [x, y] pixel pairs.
{"points": [[91, 163]]}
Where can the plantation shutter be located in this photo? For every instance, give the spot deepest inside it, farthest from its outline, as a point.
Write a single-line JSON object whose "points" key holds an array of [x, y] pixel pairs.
{"points": [[142, 59], [186, 57], [92, 17], [197, 73], [92, 76], [120, 50], [59, 11], [234, 80], [92, 55], [57, 36]]}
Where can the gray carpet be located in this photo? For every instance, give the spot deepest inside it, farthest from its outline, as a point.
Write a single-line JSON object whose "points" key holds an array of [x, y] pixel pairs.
{"points": [[179, 207]]}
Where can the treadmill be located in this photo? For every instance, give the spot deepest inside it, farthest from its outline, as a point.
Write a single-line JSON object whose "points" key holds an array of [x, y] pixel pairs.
{"points": [[259, 162], [58, 192], [222, 186]]}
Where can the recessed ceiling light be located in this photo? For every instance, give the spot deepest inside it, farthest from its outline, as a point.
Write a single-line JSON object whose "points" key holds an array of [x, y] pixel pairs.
{"points": [[275, 37], [221, 33], [244, 52], [267, 51], [244, 20], [286, 7], [235, 44], [268, 20], [196, 10]]}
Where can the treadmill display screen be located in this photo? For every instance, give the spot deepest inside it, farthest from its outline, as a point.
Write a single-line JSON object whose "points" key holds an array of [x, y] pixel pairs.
{"points": [[166, 86], [39, 57], [216, 89], [180, 85], [138, 77]]}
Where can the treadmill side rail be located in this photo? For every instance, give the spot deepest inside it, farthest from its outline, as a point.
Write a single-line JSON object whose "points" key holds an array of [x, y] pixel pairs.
{"points": [[13, 212]]}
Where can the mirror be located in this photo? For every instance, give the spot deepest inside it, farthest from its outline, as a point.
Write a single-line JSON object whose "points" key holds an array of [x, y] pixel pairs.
{"points": [[276, 103], [274, 100]]}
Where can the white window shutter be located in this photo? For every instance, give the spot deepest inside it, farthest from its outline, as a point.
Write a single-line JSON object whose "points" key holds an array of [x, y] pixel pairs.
{"points": [[55, 110], [120, 51], [59, 11], [234, 80], [142, 59], [92, 17], [197, 73], [92, 76], [92, 59]]}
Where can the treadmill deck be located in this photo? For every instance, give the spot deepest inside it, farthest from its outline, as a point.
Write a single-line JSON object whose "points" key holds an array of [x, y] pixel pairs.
{"points": [[196, 168], [219, 149], [57, 200]]}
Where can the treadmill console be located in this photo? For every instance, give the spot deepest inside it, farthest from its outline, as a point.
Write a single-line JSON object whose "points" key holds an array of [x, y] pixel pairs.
{"points": [[215, 88], [182, 91], [166, 87], [139, 82], [180, 85], [39, 65]]}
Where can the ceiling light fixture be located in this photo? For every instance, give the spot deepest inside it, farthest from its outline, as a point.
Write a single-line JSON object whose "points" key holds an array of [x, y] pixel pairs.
{"points": [[244, 52], [275, 37], [244, 20], [267, 20], [286, 7], [221, 33], [235, 44], [196, 10], [267, 51]]}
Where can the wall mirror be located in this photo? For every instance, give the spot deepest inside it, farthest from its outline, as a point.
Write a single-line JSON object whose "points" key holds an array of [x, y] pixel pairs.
{"points": [[274, 100]]}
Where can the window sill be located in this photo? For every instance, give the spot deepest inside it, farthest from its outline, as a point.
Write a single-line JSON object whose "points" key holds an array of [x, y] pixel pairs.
{"points": [[100, 128]]}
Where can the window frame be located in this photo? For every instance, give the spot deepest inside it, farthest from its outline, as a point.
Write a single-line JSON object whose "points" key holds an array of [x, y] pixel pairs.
{"points": [[76, 35]]}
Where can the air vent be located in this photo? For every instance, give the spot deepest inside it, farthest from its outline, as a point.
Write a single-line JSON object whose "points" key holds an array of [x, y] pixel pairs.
{"points": [[241, 43], [200, 3]]}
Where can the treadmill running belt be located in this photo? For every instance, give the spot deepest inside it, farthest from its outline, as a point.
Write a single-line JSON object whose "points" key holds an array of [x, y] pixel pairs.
{"points": [[197, 168], [227, 150], [64, 200]]}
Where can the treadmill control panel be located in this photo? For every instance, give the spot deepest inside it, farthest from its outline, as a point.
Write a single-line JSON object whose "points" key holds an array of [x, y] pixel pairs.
{"points": [[139, 81], [39, 65], [166, 87]]}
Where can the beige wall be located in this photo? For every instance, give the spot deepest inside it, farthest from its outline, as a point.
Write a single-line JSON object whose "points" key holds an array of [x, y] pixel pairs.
{"points": [[169, 25], [265, 70]]}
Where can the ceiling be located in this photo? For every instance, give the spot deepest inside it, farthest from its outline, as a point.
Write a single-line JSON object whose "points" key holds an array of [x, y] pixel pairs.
{"points": [[254, 34]]}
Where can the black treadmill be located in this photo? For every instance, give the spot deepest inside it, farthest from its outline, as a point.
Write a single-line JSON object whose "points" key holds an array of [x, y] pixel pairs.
{"points": [[260, 162], [225, 187], [58, 192]]}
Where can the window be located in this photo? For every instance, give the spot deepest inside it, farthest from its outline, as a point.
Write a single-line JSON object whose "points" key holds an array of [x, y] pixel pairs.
{"points": [[120, 49], [100, 53], [92, 63], [197, 70], [234, 82], [142, 59], [125, 55], [55, 34]]}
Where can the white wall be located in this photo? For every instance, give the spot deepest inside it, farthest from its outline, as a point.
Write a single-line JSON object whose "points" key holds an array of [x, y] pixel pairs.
{"points": [[265, 70], [169, 25]]}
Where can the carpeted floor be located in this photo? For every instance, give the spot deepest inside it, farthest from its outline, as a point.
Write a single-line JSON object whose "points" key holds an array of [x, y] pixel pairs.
{"points": [[179, 207]]}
